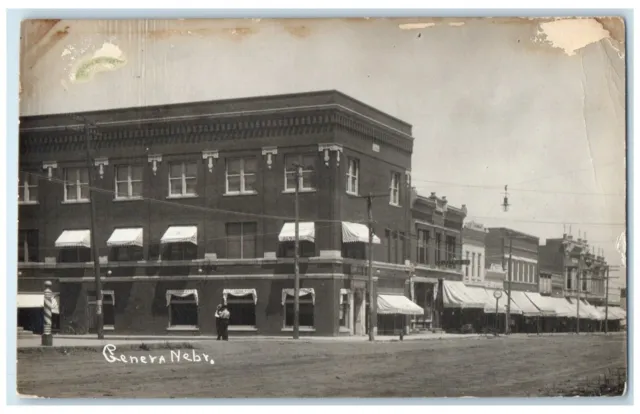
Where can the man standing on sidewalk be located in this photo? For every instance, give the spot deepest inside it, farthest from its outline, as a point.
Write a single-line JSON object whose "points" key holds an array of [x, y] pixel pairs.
{"points": [[218, 324], [224, 322]]}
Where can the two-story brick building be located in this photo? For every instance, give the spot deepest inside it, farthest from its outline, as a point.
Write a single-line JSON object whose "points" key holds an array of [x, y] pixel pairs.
{"points": [[502, 243], [565, 256], [437, 236], [194, 204], [581, 274]]}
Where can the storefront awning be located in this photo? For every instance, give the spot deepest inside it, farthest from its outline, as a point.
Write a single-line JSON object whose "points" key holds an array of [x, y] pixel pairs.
{"points": [[620, 312], [397, 304], [615, 313], [356, 233], [181, 293], [490, 302], [180, 234], [583, 311], [74, 238], [306, 232], [239, 293], [562, 307], [126, 237], [456, 295], [302, 292], [526, 305], [591, 310], [542, 303], [36, 300]]}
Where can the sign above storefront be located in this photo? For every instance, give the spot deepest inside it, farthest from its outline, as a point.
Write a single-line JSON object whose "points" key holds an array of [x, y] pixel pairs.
{"points": [[453, 262]]}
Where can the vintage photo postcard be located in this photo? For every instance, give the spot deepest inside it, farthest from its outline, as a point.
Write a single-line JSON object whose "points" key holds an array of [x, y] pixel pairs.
{"points": [[291, 208]]}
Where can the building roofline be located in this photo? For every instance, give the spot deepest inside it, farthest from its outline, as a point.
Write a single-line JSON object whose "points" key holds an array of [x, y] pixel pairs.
{"points": [[203, 109], [516, 232], [432, 201]]}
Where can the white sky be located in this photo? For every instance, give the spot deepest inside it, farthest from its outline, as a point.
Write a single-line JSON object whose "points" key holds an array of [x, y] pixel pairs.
{"points": [[489, 105]]}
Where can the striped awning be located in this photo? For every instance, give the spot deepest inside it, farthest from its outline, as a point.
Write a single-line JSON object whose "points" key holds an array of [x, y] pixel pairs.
{"points": [[181, 293], [302, 292], [125, 237], [36, 300], [306, 232], [397, 305], [239, 293], [356, 233], [74, 238], [180, 234]]}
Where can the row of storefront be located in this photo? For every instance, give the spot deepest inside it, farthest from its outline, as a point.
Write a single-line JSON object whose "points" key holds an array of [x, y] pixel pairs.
{"points": [[479, 309]]}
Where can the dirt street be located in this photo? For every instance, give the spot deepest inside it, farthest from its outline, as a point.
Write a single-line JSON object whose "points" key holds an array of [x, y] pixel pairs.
{"points": [[483, 367]]}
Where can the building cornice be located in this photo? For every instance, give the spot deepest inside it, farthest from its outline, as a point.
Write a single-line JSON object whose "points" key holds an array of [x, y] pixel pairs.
{"points": [[272, 123]]}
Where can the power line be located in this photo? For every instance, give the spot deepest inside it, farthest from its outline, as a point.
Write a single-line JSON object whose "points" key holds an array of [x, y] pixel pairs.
{"points": [[612, 162], [178, 204], [484, 187], [223, 211]]}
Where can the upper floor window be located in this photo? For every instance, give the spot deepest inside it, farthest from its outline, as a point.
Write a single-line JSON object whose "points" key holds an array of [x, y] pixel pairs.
{"points": [[76, 184], [466, 268], [423, 247], [353, 173], [241, 240], [27, 245], [129, 181], [473, 266], [394, 189], [182, 179], [480, 266], [308, 174], [27, 188], [241, 175]]}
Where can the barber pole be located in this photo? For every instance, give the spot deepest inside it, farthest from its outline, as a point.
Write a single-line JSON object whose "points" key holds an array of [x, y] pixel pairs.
{"points": [[47, 338]]}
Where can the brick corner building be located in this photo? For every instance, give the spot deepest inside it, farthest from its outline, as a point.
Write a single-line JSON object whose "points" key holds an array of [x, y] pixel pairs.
{"points": [[194, 207]]}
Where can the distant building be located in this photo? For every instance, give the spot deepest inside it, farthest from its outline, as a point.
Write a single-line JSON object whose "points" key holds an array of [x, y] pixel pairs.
{"points": [[524, 256], [473, 250], [437, 226], [562, 258]]}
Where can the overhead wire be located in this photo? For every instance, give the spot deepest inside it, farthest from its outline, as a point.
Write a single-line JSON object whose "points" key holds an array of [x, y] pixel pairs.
{"points": [[287, 218]]}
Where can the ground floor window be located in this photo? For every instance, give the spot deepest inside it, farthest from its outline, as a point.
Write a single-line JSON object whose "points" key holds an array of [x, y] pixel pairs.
{"points": [[183, 308], [242, 307], [345, 308], [307, 307]]}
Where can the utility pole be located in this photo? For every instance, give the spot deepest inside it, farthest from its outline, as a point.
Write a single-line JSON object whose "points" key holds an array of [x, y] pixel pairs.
{"points": [[372, 304], [507, 328], [296, 265], [94, 246], [578, 295], [606, 305]]}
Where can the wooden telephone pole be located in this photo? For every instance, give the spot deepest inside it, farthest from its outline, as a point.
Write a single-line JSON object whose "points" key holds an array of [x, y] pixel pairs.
{"points": [[373, 311], [296, 262], [606, 305], [578, 288], [94, 245], [507, 328], [373, 306]]}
